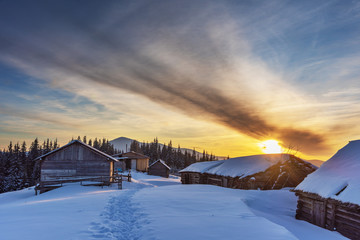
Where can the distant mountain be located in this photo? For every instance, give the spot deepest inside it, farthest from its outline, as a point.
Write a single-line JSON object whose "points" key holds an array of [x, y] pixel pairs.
{"points": [[316, 162], [123, 144]]}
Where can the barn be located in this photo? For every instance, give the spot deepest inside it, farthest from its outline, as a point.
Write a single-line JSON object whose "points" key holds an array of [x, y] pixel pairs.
{"points": [[330, 197], [159, 168], [266, 171], [132, 160], [75, 159]]}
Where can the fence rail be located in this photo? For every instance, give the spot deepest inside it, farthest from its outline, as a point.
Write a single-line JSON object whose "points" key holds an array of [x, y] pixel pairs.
{"points": [[47, 185]]}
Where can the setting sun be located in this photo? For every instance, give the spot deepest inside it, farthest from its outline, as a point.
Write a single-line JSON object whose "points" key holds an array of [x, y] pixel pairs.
{"points": [[271, 146]]}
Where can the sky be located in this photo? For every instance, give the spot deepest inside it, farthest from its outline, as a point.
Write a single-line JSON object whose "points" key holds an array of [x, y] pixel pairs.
{"points": [[216, 75]]}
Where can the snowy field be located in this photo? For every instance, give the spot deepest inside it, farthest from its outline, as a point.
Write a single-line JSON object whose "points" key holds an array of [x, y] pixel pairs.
{"points": [[153, 208]]}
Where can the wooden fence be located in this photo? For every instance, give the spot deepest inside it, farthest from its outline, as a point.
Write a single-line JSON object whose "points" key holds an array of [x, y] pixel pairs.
{"points": [[47, 185]]}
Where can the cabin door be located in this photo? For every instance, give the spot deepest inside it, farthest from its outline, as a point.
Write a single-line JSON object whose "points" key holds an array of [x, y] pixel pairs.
{"points": [[319, 213], [133, 164]]}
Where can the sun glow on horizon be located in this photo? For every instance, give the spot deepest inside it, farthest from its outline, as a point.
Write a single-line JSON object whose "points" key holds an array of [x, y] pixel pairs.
{"points": [[270, 146]]}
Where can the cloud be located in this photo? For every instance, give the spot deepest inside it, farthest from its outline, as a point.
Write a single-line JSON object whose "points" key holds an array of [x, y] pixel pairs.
{"points": [[189, 57]]}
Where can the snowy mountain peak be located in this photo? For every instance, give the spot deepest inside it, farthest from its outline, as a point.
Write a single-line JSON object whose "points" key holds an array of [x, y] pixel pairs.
{"points": [[122, 139]]}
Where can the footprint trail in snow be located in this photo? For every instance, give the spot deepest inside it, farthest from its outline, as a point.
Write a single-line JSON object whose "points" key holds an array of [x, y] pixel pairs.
{"points": [[120, 220]]}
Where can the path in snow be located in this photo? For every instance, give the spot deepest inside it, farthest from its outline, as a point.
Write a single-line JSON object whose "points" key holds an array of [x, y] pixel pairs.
{"points": [[121, 219]]}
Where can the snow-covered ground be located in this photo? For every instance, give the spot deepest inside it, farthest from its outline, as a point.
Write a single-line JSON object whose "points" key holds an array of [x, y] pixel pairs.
{"points": [[152, 207]]}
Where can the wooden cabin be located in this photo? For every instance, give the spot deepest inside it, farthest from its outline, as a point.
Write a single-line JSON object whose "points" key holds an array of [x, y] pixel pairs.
{"points": [[330, 197], [159, 168], [195, 173], [267, 171], [75, 159], [132, 160]]}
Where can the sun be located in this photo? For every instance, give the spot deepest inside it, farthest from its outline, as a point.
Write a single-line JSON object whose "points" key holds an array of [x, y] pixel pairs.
{"points": [[270, 146]]}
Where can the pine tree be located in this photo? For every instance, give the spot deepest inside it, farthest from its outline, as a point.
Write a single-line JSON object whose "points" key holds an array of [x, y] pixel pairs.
{"points": [[31, 171], [55, 145], [23, 162]]}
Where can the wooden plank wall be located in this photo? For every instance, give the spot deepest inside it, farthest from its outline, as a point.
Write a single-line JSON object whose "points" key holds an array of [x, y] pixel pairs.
{"points": [[142, 164], [330, 214], [75, 160], [192, 178]]}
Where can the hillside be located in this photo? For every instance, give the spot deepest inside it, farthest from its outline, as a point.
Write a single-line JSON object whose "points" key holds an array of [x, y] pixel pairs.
{"points": [[122, 143]]}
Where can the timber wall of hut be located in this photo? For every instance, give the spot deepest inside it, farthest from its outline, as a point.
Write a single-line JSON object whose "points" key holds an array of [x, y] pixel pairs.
{"points": [[192, 178], [142, 165], [280, 175], [330, 214], [158, 169], [75, 160]]}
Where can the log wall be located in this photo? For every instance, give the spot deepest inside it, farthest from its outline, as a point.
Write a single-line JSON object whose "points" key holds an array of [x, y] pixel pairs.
{"points": [[75, 160], [158, 169], [330, 214], [192, 178]]}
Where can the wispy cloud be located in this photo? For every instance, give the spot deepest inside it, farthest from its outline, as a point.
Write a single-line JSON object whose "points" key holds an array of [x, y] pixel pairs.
{"points": [[199, 59]]}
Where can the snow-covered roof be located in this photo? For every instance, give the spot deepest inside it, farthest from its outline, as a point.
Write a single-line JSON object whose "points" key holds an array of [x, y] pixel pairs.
{"points": [[245, 166], [162, 162], [84, 144], [238, 167], [337, 178], [202, 166]]}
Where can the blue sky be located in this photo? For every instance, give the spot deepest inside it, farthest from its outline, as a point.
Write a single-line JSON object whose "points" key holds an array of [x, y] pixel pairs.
{"points": [[221, 75]]}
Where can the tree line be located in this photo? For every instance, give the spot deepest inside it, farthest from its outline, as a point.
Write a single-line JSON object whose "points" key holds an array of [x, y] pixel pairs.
{"points": [[176, 158], [18, 168]]}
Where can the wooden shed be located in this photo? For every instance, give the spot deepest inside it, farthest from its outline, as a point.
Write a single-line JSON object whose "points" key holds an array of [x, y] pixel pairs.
{"points": [[75, 159], [132, 160], [266, 171], [159, 168], [330, 197]]}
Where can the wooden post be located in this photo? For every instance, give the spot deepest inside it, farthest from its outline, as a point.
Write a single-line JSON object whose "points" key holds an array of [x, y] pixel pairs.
{"points": [[120, 182]]}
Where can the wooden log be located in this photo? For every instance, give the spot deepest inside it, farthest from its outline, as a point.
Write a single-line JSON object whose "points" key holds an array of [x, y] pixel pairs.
{"points": [[306, 200], [348, 231], [304, 204], [348, 221], [348, 215], [303, 216], [306, 210], [347, 212]]}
